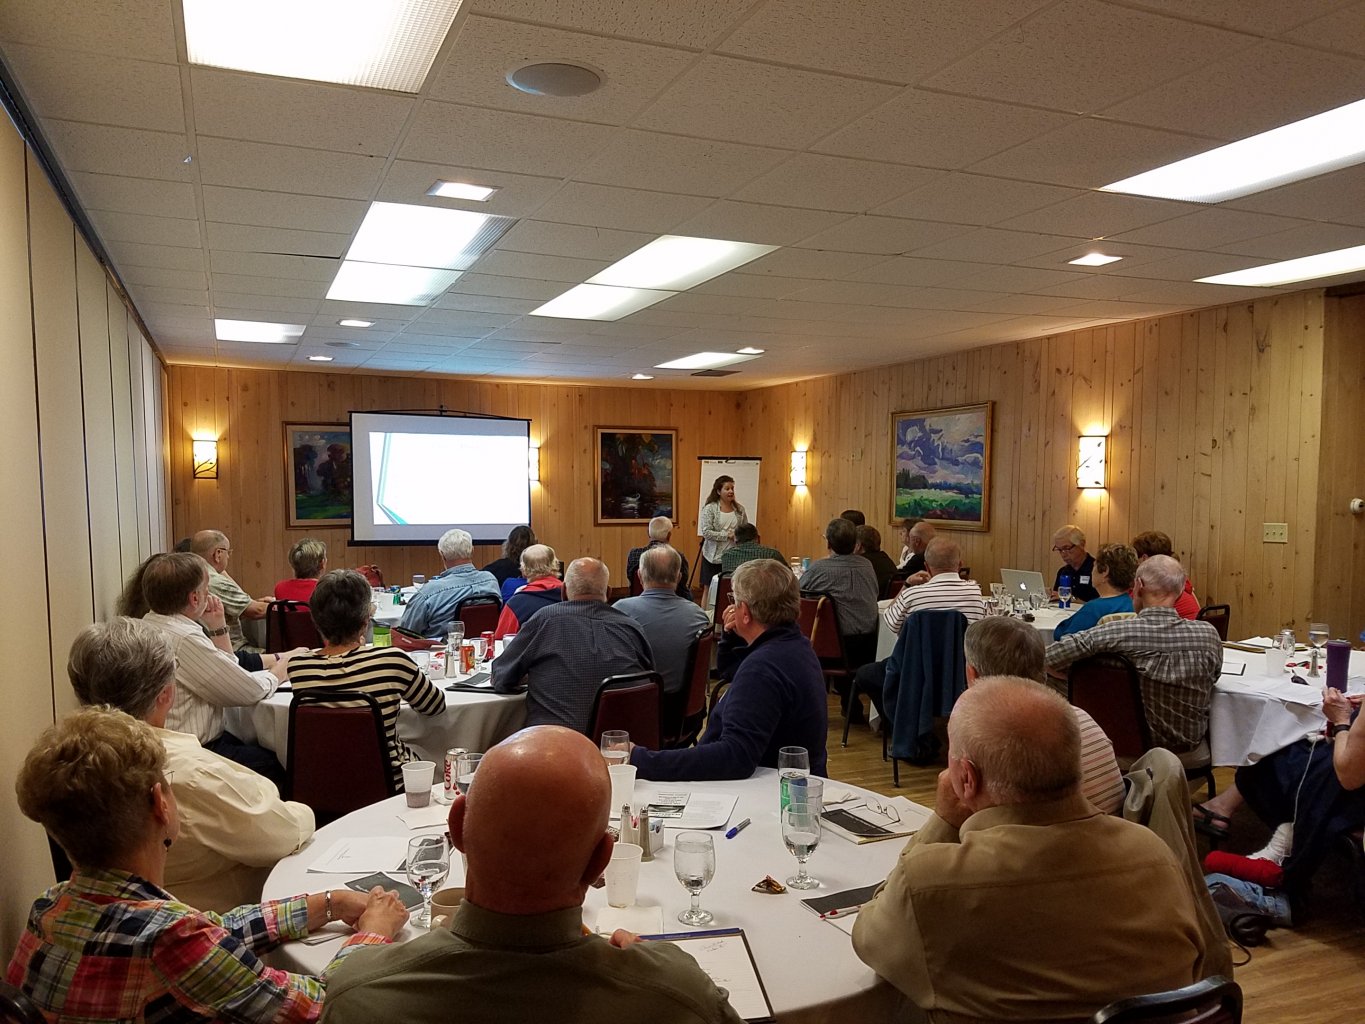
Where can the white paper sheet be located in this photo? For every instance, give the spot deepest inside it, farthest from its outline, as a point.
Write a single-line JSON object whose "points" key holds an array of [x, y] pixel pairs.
{"points": [[699, 810], [725, 959], [362, 855], [844, 922], [433, 815]]}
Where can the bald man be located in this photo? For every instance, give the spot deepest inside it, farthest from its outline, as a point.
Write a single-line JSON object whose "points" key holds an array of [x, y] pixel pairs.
{"points": [[1018, 896], [515, 951], [564, 651], [660, 530]]}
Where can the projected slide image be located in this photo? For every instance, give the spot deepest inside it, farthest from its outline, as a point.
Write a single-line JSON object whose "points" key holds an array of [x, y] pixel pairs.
{"points": [[426, 479]]}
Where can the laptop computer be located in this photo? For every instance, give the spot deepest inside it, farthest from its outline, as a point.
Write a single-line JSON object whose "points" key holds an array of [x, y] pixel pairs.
{"points": [[1022, 582]]}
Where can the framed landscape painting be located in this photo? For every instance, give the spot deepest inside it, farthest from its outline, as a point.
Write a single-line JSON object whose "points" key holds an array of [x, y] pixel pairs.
{"points": [[941, 466], [317, 460], [634, 474]]}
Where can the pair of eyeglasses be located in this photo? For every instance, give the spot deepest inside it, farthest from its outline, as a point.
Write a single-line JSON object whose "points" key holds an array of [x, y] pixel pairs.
{"points": [[1065, 549], [877, 807]]}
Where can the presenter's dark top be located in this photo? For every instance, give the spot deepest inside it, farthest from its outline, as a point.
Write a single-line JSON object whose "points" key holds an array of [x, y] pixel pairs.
{"points": [[1079, 580]]}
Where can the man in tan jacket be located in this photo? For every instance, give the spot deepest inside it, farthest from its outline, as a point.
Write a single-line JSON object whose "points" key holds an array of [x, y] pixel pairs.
{"points": [[1018, 900]]}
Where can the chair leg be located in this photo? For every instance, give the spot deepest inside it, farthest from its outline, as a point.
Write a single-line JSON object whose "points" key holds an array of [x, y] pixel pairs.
{"points": [[895, 772], [847, 722]]}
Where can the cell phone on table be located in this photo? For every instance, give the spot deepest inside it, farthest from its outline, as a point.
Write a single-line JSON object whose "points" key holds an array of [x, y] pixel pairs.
{"points": [[412, 899]]}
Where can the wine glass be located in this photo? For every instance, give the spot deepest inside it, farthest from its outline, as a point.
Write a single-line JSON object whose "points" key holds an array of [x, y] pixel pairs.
{"points": [[1064, 596], [428, 866], [997, 590], [694, 862], [801, 827], [1318, 635], [1035, 600], [465, 767], [792, 763], [615, 746]]}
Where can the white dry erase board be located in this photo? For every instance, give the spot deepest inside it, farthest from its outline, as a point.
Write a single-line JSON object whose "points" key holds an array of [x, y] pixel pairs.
{"points": [[745, 472]]}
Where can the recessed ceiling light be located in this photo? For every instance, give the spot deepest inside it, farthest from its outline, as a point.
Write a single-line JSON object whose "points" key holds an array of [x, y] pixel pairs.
{"points": [[388, 45], [679, 262], [704, 361], [355, 323], [424, 236], [749, 350], [257, 330], [461, 190], [1093, 259], [599, 302], [1305, 268], [642, 376], [551, 78], [382, 282], [1292, 152], [319, 359]]}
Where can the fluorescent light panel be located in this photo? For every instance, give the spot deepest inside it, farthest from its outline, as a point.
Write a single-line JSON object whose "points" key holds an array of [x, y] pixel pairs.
{"points": [[749, 350], [381, 282], [599, 302], [642, 376], [377, 44], [461, 190], [1292, 152], [679, 262], [1305, 268], [319, 359], [257, 330], [355, 323], [704, 361], [1093, 259], [424, 236]]}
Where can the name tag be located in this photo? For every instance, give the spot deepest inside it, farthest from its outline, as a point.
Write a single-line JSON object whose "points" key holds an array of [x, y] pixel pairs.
{"points": [[1085, 579]]}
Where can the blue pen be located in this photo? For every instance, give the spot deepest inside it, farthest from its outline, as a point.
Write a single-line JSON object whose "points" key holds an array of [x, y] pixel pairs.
{"points": [[737, 829]]}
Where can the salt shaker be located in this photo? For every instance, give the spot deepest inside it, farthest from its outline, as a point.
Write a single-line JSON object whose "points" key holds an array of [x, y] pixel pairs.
{"points": [[646, 837]]}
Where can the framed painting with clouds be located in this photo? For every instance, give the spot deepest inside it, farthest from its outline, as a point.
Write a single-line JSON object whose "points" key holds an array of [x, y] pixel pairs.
{"points": [[941, 466]]}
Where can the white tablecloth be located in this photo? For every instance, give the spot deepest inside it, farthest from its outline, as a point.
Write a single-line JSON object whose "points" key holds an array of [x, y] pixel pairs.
{"points": [[1045, 621], [1253, 714], [808, 966]]}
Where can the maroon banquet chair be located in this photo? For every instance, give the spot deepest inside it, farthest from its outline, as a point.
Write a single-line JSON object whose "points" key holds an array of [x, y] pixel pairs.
{"points": [[629, 701], [479, 615], [338, 752], [289, 624]]}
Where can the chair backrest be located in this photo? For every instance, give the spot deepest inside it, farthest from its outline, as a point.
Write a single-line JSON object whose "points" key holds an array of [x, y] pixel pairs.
{"points": [[699, 671], [1219, 615], [480, 615], [1109, 689], [289, 624], [825, 638], [931, 673], [338, 755], [636, 587], [18, 1008], [806, 617], [894, 586], [372, 575], [629, 701], [725, 596], [1215, 1000]]}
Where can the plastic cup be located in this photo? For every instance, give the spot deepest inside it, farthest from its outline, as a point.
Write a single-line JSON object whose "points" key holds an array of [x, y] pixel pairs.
{"points": [[417, 776], [622, 785], [1274, 662], [623, 874]]}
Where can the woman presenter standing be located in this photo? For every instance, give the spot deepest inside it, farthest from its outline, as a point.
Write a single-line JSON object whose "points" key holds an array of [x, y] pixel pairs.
{"points": [[720, 516]]}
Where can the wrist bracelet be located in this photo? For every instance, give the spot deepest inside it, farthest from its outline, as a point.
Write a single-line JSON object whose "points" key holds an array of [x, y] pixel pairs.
{"points": [[328, 897], [220, 631]]}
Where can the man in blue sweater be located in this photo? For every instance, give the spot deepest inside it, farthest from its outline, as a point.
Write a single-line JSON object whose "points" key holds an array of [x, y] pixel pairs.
{"points": [[777, 698]]}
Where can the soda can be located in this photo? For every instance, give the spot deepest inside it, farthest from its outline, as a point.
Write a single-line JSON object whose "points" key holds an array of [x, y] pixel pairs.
{"points": [[451, 756], [466, 657]]}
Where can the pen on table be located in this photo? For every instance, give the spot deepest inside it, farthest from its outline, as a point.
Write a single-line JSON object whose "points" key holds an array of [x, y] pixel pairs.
{"points": [[841, 910], [737, 829]]}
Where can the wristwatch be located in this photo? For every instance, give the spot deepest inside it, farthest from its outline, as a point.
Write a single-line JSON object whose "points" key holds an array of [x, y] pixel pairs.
{"points": [[220, 631], [1336, 727]]}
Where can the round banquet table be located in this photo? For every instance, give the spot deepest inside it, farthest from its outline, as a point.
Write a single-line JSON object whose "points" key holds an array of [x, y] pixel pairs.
{"points": [[1045, 620], [808, 965]]}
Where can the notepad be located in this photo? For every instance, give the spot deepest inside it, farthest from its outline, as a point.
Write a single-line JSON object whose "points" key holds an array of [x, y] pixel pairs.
{"points": [[684, 809], [363, 854], [725, 957], [861, 824]]}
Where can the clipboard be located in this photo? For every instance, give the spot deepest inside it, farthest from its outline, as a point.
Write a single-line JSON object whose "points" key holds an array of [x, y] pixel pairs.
{"points": [[717, 954]]}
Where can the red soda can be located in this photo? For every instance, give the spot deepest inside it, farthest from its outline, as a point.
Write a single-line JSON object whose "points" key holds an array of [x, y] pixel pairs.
{"points": [[451, 755]]}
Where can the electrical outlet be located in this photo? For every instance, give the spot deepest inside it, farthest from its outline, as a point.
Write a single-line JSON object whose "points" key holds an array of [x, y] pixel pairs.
{"points": [[1275, 533]]}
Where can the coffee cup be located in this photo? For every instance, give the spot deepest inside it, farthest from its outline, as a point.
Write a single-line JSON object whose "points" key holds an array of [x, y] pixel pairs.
{"points": [[444, 903], [417, 776]]}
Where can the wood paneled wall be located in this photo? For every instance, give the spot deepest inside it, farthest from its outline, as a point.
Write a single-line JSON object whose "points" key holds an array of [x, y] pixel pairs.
{"points": [[1213, 420], [245, 410], [82, 477]]}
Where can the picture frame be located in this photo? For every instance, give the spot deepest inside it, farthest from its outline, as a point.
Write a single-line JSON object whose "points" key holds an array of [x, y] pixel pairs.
{"points": [[317, 474], [635, 474], [941, 466]]}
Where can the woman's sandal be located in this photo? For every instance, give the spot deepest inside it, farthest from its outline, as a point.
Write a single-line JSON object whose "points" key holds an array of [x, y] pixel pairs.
{"points": [[1211, 823]]}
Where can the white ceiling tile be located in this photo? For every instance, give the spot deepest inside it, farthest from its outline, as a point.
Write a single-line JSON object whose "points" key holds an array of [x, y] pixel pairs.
{"points": [[1107, 53], [140, 31], [1304, 241], [228, 104], [889, 236], [889, 39], [173, 311], [1009, 279], [1339, 196], [501, 140], [485, 303], [99, 88], [973, 199], [132, 227], [268, 264], [536, 267], [692, 302], [1191, 293], [1209, 228], [912, 271], [291, 304], [243, 283], [1093, 286], [821, 182], [671, 163], [1261, 17], [936, 130], [368, 310], [1023, 304], [488, 49], [132, 254], [1098, 215], [518, 195], [753, 286], [162, 277], [282, 210], [751, 222], [654, 213], [1342, 29], [456, 318], [1182, 266], [697, 24], [552, 239], [490, 286], [278, 240], [131, 152], [815, 264], [759, 104], [992, 245], [135, 195], [176, 296], [287, 168]]}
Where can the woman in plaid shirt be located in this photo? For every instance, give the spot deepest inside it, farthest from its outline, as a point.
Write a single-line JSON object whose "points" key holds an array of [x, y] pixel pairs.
{"points": [[111, 944]]}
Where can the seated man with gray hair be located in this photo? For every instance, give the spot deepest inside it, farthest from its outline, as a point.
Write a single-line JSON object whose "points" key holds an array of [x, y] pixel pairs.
{"points": [[563, 653], [1078, 566], [233, 824], [437, 604], [1017, 898], [660, 531], [1177, 659]]}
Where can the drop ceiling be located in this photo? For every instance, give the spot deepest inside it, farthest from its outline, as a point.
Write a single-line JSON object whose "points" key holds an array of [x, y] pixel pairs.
{"points": [[928, 169]]}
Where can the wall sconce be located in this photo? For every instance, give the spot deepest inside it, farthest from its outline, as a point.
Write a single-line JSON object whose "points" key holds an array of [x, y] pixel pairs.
{"points": [[204, 456], [533, 463], [798, 473], [1090, 465]]}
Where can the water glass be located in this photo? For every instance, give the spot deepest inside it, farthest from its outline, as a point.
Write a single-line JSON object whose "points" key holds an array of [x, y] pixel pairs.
{"points": [[615, 746], [997, 589], [1035, 600], [465, 767], [455, 634], [1064, 597], [428, 866], [417, 580], [801, 827], [1318, 635], [792, 763], [694, 864]]}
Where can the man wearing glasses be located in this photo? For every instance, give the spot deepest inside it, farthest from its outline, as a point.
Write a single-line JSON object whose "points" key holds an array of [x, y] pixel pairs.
{"points": [[1077, 564], [214, 548]]}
